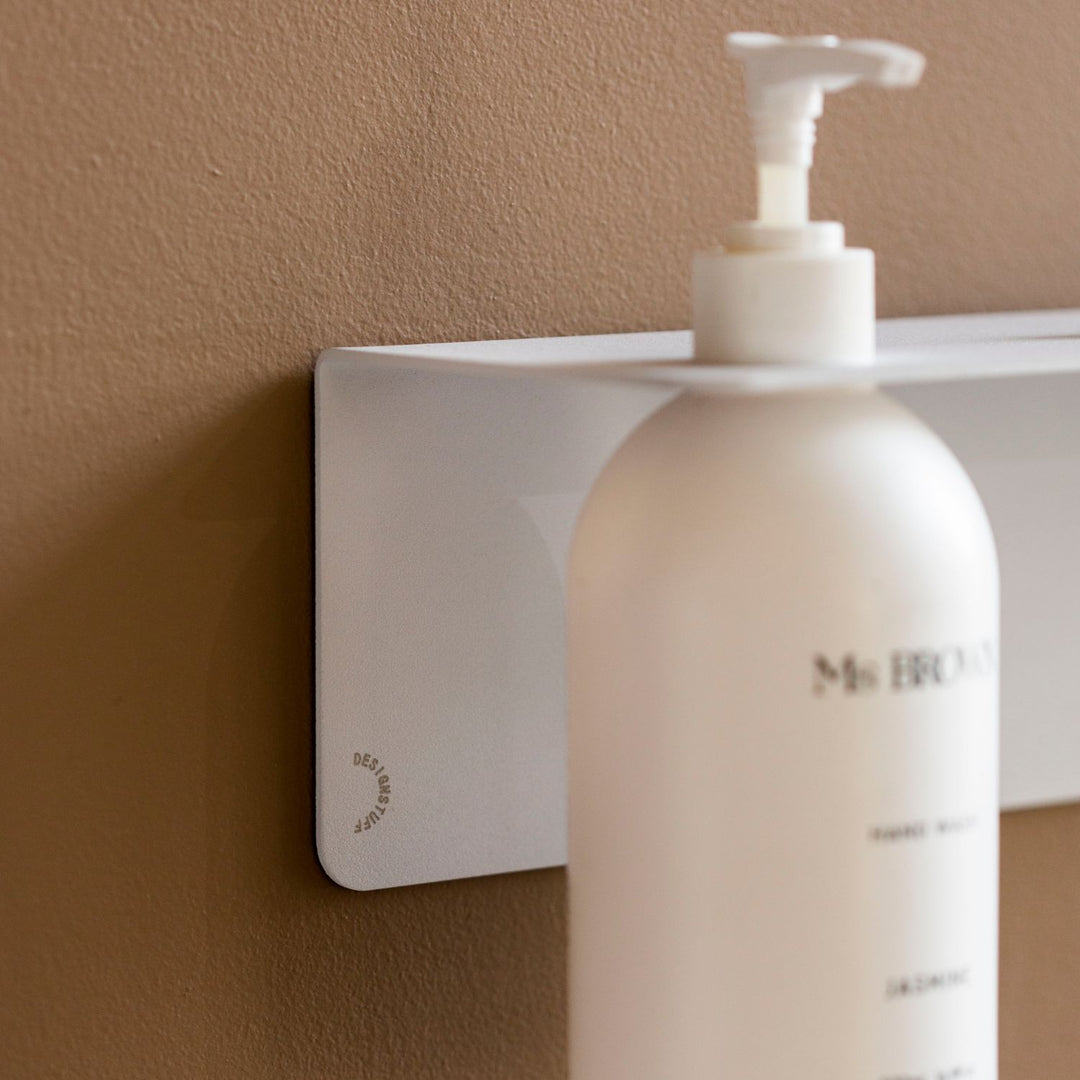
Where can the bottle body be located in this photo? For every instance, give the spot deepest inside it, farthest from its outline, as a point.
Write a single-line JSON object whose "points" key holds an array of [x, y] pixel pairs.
{"points": [[783, 616]]}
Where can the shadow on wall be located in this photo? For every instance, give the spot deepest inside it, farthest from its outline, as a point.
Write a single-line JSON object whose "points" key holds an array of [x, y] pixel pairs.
{"points": [[168, 915]]}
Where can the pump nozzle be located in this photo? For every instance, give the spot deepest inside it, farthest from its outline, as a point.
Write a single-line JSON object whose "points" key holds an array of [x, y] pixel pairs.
{"points": [[786, 80]]}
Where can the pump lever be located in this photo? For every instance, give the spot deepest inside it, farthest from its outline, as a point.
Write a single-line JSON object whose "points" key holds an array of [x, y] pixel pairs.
{"points": [[825, 62], [786, 83]]}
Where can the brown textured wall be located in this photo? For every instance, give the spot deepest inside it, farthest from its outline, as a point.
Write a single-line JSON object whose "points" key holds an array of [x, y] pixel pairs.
{"points": [[197, 197]]}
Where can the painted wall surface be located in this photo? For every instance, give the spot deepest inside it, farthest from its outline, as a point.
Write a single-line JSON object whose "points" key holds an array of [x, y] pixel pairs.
{"points": [[196, 198]]}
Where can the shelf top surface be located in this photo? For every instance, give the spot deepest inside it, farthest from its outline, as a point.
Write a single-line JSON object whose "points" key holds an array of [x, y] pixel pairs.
{"points": [[918, 350]]}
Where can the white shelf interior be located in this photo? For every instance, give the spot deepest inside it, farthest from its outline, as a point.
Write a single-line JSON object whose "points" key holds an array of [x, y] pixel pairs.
{"points": [[937, 349]]}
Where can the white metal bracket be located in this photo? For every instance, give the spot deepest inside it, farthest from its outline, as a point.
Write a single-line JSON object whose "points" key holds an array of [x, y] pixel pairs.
{"points": [[448, 480]]}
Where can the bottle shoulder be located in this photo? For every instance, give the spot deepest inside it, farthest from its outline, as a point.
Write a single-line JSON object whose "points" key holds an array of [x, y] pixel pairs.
{"points": [[848, 479]]}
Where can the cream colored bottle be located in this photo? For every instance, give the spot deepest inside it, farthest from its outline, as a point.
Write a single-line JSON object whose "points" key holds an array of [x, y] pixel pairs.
{"points": [[783, 614]]}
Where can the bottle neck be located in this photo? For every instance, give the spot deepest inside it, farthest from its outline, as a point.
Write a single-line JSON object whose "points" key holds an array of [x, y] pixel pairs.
{"points": [[785, 297]]}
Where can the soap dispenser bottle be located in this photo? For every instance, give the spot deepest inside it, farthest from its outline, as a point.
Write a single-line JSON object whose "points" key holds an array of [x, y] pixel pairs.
{"points": [[783, 627]]}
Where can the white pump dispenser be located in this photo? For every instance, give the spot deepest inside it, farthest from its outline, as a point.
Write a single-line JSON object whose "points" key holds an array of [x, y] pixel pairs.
{"points": [[805, 298], [782, 681]]}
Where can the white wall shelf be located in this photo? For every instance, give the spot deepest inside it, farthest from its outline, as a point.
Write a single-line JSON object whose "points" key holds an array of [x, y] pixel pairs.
{"points": [[448, 480]]}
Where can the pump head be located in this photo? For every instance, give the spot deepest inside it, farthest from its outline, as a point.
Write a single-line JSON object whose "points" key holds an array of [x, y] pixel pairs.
{"points": [[786, 81]]}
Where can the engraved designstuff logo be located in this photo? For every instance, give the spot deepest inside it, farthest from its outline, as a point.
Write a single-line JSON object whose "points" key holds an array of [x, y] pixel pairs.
{"points": [[380, 790], [904, 670]]}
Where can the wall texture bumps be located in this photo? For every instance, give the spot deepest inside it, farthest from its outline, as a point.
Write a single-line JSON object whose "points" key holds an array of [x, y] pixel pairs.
{"points": [[196, 199]]}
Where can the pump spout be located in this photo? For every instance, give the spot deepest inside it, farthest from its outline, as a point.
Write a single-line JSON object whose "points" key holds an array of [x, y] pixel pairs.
{"points": [[786, 81]]}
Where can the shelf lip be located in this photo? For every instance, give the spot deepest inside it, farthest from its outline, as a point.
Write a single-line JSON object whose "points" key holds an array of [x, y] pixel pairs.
{"points": [[944, 348]]}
